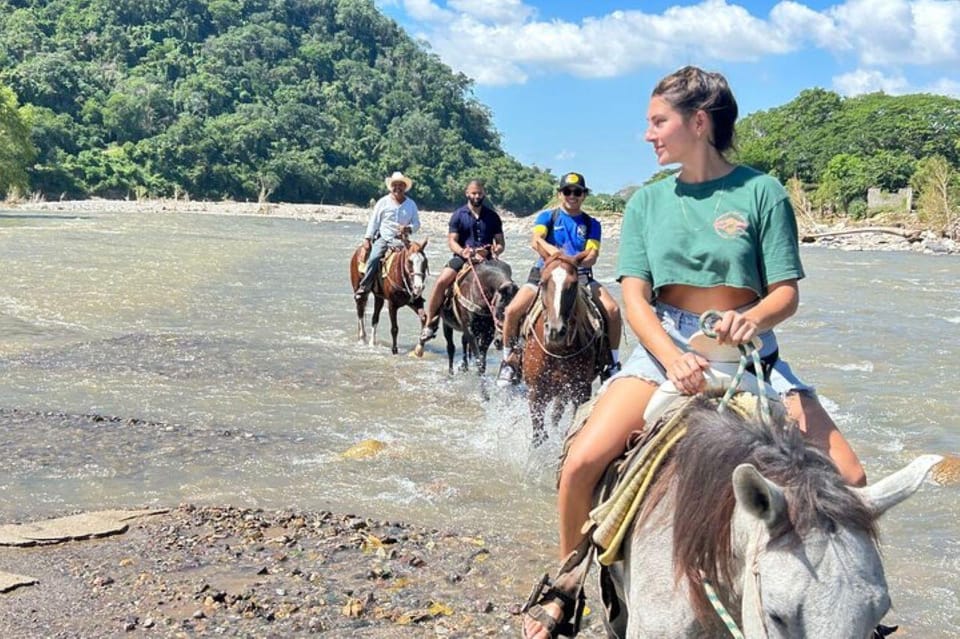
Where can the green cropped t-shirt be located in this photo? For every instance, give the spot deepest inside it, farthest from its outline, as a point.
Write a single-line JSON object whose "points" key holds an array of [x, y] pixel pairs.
{"points": [[738, 231]]}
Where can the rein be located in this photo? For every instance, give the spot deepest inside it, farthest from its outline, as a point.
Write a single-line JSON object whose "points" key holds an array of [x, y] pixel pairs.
{"points": [[405, 275], [725, 617], [573, 331], [483, 294], [750, 350]]}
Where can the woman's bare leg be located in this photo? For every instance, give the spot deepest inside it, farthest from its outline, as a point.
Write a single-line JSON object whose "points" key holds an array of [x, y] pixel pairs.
{"points": [[821, 431], [603, 438]]}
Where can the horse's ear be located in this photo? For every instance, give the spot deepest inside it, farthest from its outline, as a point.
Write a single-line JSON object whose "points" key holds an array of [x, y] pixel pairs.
{"points": [[425, 240], [892, 489], [759, 496]]}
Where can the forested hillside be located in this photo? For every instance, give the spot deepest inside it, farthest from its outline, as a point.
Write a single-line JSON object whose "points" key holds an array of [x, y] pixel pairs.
{"points": [[292, 100], [840, 147]]}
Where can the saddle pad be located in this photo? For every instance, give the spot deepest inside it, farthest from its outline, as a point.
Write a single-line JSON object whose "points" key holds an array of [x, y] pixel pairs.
{"points": [[636, 471]]}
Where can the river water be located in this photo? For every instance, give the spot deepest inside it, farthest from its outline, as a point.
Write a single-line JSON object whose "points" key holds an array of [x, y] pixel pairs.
{"points": [[153, 359]]}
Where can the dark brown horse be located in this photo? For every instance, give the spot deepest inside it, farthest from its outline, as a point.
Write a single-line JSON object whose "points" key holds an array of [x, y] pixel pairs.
{"points": [[403, 274], [565, 339], [475, 307]]}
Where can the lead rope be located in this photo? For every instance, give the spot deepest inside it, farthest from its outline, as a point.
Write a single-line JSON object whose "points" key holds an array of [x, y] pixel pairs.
{"points": [[749, 353], [750, 350], [725, 617]]}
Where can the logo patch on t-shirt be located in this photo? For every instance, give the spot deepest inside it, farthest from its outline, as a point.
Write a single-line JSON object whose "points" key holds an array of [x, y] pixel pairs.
{"points": [[581, 231], [731, 225]]}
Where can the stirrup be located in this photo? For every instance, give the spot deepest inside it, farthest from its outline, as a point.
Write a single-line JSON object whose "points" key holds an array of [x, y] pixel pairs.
{"points": [[571, 608], [572, 599]]}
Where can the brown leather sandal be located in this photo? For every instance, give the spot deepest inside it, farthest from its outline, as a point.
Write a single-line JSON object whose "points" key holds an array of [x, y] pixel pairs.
{"points": [[566, 590], [571, 608]]}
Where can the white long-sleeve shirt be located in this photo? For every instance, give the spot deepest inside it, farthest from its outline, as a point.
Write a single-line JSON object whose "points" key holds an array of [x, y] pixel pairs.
{"points": [[389, 217]]}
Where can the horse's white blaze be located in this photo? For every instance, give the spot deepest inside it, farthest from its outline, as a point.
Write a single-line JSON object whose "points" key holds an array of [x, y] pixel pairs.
{"points": [[558, 276], [419, 272]]}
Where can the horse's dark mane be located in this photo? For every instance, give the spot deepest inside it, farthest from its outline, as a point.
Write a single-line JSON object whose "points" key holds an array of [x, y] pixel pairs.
{"points": [[702, 467], [493, 273]]}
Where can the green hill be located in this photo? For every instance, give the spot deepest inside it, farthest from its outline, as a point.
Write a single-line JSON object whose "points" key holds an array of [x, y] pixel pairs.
{"points": [[292, 100]]}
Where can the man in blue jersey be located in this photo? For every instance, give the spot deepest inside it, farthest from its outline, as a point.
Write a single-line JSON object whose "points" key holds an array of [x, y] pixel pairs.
{"points": [[568, 229]]}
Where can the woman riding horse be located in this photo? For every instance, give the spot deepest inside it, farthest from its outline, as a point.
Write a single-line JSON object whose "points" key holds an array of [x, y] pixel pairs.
{"points": [[714, 236]]}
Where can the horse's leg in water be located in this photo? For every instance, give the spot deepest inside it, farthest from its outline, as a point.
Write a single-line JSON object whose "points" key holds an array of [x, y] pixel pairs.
{"points": [[465, 346], [361, 326], [451, 347], [557, 413], [538, 406], [375, 319], [483, 332], [581, 395], [394, 329]]}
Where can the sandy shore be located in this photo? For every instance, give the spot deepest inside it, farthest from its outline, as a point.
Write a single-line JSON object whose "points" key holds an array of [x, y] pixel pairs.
{"points": [[434, 223]]}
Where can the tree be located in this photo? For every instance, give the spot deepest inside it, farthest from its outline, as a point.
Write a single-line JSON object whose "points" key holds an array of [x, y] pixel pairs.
{"points": [[842, 181], [16, 149], [938, 195]]}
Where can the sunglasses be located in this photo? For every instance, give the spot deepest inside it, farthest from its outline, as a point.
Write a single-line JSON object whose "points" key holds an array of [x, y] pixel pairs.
{"points": [[573, 192]]}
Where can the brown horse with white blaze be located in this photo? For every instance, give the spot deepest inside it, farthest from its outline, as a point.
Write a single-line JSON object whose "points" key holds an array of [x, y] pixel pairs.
{"points": [[564, 342], [402, 277]]}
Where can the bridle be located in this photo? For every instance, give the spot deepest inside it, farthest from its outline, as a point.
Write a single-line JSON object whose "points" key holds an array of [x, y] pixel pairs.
{"points": [[572, 330], [407, 274]]}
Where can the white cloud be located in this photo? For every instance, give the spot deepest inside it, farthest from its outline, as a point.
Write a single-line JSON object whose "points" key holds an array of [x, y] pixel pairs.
{"points": [[505, 42], [426, 11], [565, 155], [869, 81], [944, 86], [494, 11], [899, 32]]}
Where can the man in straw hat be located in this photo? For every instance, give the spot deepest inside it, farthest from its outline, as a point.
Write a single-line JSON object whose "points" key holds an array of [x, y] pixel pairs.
{"points": [[393, 216]]}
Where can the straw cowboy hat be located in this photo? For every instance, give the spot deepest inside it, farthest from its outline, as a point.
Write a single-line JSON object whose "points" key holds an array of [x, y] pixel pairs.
{"points": [[399, 177]]}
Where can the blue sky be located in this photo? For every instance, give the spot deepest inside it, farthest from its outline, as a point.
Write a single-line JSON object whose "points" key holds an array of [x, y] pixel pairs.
{"points": [[568, 82]]}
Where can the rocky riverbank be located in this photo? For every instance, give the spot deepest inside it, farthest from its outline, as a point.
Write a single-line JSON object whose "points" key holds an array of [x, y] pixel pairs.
{"points": [[435, 222], [221, 571]]}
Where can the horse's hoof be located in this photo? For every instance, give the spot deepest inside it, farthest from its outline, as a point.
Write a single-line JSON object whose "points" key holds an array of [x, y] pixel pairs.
{"points": [[417, 350]]}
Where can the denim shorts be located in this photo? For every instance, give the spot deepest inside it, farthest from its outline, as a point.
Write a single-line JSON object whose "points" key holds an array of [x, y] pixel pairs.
{"points": [[680, 325]]}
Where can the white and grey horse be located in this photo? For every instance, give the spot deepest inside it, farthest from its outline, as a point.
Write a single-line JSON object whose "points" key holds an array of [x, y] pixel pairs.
{"points": [[764, 520]]}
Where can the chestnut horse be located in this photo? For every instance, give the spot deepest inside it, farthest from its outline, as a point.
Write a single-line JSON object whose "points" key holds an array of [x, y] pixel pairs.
{"points": [[403, 274], [565, 339], [475, 307]]}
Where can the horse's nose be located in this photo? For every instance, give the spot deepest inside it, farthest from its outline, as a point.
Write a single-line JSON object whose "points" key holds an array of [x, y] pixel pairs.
{"points": [[556, 333]]}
